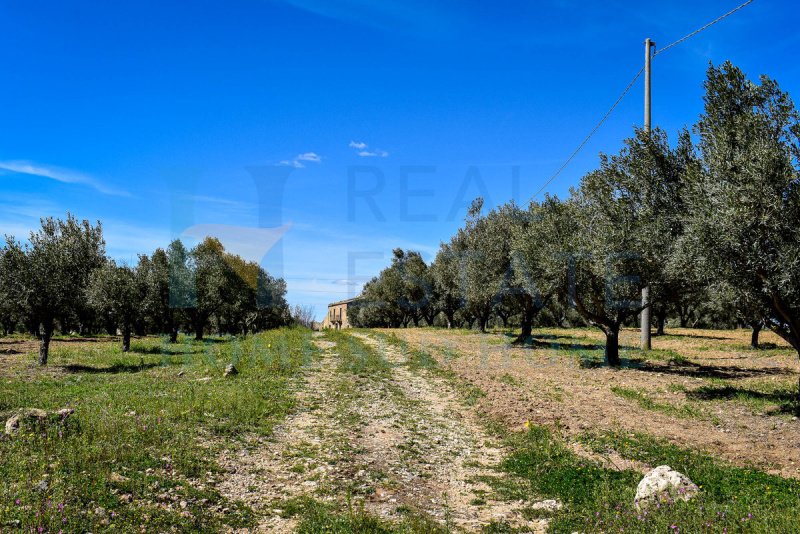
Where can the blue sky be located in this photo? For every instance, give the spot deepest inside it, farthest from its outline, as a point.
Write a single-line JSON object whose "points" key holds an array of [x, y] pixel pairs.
{"points": [[381, 119]]}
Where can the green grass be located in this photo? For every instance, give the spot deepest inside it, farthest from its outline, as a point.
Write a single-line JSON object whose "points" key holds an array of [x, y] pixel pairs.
{"points": [[139, 421], [642, 399], [419, 359], [356, 357], [598, 499], [316, 517]]}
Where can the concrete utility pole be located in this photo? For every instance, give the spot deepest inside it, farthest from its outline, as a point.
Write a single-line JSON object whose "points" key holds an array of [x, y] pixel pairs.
{"points": [[645, 315]]}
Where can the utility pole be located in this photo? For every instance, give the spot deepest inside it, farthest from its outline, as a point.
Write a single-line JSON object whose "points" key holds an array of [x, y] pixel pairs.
{"points": [[645, 315]]}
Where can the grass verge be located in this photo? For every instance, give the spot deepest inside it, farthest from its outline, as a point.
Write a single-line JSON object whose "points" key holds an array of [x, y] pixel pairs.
{"points": [[598, 499], [138, 451]]}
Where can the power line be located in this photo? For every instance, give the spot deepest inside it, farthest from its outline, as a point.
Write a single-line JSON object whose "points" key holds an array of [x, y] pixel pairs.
{"points": [[628, 88], [698, 30], [594, 130]]}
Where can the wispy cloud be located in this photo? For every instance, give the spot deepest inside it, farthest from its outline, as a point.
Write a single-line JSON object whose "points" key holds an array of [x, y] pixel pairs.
{"points": [[362, 150], [377, 153], [58, 174], [297, 161]]}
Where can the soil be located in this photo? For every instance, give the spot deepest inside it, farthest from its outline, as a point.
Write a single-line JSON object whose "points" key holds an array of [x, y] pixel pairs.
{"points": [[548, 384], [400, 443]]}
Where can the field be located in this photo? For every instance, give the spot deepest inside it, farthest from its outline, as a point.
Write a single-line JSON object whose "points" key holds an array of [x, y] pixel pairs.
{"points": [[411, 430]]}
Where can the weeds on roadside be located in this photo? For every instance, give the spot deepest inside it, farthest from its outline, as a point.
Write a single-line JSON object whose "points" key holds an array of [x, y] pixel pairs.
{"points": [[599, 499]]}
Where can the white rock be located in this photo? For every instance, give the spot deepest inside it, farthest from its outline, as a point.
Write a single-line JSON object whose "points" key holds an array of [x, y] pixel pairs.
{"points": [[664, 483], [549, 505]]}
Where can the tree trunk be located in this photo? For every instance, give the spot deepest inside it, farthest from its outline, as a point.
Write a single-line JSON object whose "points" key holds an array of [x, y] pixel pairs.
{"points": [[754, 337], [126, 339], [173, 335], [198, 331], [683, 313], [450, 319], [612, 346], [45, 332], [661, 320], [527, 321]]}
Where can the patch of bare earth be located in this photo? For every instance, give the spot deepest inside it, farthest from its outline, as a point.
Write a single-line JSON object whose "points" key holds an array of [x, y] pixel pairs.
{"points": [[265, 472], [547, 385], [434, 449], [400, 443]]}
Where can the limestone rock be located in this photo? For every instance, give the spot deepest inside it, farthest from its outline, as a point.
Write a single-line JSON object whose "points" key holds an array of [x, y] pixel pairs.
{"points": [[664, 483], [549, 505], [230, 370], [37, 420]]}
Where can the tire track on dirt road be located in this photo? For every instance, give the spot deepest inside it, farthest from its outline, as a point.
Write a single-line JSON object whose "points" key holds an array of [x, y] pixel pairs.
{"points": [[453, 451], [398, 441]]}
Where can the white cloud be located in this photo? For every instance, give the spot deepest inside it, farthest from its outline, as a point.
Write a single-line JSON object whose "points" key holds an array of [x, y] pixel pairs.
{"points": [[58, 174], [298, 160], [293, 163], [377, 153], [361, 150], [309, 156]]}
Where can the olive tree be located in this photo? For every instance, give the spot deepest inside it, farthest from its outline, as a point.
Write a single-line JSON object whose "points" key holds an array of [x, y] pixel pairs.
{"points": [[621, 234], [486, 274], [445, 274], [12, 261], [537, 245], [58, 262], [745, 201], [117, 293]]}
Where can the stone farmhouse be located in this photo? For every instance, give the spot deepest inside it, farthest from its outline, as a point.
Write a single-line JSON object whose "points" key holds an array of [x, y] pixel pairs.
{"points": [[337, 314]]}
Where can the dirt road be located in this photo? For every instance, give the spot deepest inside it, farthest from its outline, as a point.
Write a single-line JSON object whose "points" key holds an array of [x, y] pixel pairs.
{"points": [[394, 436]]}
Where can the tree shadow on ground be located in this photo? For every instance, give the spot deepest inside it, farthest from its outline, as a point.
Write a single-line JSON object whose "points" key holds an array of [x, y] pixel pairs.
{"points": [[534, 342], [693, 336], [696, 370], [89, 339], [116, 368], [176, 350], [786, 399], [625, 363]]}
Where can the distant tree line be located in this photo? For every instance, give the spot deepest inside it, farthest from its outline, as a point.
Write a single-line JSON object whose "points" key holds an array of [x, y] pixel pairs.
{"points": [[62, 281], [711, 224]]}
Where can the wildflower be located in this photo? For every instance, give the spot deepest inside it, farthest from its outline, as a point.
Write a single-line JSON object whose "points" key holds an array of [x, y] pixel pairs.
{"points": [[61, 507], [527, 425], [18, 502]]}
